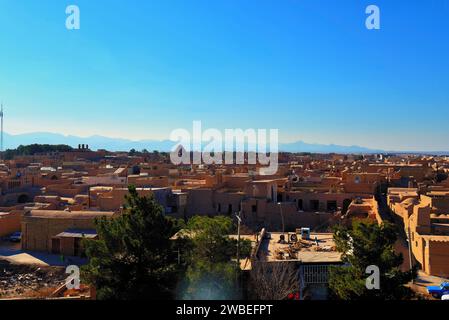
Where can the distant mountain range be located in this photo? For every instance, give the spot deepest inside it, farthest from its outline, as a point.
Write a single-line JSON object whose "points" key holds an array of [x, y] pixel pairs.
{"points": [[116, 144], [301, 146]]}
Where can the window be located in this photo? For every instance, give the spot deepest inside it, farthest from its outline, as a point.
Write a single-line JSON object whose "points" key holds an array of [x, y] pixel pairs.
{"points": [[314, 205], [254, 208], [299, 201], [332, 206]]}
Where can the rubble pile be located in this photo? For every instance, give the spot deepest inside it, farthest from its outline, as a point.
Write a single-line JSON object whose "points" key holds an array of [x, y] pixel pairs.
{"points": [[21, 280]]}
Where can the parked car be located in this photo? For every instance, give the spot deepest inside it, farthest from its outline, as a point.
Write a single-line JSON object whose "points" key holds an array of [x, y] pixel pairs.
{"points": [[15, 237], [439, 291]]}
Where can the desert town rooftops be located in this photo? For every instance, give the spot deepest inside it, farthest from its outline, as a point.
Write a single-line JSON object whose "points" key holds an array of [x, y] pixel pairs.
{"points": [[395, 164], [58, 214]]}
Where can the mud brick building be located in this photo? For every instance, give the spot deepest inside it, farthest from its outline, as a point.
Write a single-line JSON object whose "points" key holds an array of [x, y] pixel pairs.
{"points": [[58, 232]]}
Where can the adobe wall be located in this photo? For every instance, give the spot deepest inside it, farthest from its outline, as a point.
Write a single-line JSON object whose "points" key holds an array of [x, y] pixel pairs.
{"points": [[438, 254], [270, 216], [37, 232], [323, 198], [10, 223]]}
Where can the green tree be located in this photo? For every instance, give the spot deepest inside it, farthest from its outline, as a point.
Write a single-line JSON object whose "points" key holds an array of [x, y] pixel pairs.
{"points": [[441, 176], [34, 149], [363, 244], [211, 273], [133, 258]]}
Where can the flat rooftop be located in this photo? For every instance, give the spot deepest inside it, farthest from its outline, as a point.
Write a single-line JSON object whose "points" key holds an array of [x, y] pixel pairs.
{"points": [[60, 214], [305, 251], [435, 193], [78, 233]]}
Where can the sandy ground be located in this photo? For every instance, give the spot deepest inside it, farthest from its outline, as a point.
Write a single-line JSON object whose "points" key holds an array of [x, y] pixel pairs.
{"points": [[29, 281]]}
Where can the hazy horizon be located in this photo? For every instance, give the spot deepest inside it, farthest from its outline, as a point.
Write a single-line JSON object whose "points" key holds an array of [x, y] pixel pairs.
{"points": [[105, 142]]}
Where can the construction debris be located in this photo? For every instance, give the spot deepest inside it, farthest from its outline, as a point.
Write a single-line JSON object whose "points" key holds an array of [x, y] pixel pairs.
{"points": [[28, 281]]}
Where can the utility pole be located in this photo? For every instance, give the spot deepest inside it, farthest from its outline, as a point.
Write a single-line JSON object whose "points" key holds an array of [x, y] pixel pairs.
{"points": [[88, 197], [1, 138], [410, 251], [237, 275], [239, 220], [282, 218]]}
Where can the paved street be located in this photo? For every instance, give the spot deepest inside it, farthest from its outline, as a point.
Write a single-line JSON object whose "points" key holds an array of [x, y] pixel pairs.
{"points": [[401, 245]]}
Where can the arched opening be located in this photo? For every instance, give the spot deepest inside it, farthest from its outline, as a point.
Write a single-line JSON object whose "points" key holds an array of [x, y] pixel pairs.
{"points": [[23, 198]]}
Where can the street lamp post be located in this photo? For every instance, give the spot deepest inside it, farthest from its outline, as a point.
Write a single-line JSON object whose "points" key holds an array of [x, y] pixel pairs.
{"points": [[282, 217], [409, 240], [239, 220]]}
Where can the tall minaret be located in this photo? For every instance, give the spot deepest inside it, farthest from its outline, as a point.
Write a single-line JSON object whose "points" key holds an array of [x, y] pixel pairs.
{"points": [[1, 138]]}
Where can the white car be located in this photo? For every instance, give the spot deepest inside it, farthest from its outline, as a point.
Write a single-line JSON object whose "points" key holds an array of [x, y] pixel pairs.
{"points": [[445, 297]]}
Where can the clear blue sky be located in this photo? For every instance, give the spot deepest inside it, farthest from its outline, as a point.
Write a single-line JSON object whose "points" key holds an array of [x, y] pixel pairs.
{"points": [[139, 69]]}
